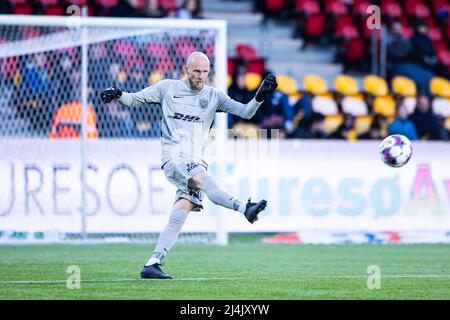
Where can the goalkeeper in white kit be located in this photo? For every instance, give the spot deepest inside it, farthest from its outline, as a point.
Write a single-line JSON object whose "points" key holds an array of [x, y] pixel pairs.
{"points": [[189, 107]]}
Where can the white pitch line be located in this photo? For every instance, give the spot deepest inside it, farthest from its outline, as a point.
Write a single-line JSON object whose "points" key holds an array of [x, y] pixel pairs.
{"points": [[394, 276], [113, 280], [412, 276]]}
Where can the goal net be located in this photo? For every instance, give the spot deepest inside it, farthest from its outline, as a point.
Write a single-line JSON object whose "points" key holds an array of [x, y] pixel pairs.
{"points": [[74, 168]]}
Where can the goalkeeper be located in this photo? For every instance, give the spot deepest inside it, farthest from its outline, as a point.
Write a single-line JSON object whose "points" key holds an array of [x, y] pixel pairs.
{"points": [[189, 106]]}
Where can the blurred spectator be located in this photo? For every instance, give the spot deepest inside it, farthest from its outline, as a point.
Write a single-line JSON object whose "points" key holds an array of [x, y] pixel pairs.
{"points": [[399, 47], [423, 47], [113, 120], [136, 79], [346, 131], [5, 7], [35, 75], [98, 64], [374, 132], [426, 122], [401, 59], [143, 121], [443, 16], [277, 113], [238, 91], [120, 122], [312, 127], [38, 107], [191, 9], [154, 10], [124, 9], [268, 10], [68, 78], [402, 124], [424, 51], [302, 109], [172, 13]]}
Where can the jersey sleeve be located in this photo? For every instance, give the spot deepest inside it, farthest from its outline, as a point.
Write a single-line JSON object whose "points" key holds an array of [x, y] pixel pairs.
{"points": [[152, 94], [245, 111]]}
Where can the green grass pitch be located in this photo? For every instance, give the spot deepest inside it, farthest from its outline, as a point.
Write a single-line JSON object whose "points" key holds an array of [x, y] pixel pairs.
{"points": [[246, 269]]}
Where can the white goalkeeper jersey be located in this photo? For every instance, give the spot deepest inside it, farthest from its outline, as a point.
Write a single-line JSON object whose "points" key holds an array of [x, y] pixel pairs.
{"points": [[187, 115]]}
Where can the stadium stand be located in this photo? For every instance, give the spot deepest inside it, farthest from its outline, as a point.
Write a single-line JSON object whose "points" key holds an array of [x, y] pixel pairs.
{"points": [[334, 23]]}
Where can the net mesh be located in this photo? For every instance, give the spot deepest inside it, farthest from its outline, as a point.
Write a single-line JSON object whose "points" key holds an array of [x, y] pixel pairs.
{"points": [[40, 73], [41, 111]]}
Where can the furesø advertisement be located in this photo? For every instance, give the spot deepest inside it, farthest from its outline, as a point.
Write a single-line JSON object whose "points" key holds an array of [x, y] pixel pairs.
{"points": [[319, 185]]}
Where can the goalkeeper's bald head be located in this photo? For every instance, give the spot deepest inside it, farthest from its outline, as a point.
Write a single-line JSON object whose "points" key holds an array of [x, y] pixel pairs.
{"points": [[197, 57], [197, 69]]}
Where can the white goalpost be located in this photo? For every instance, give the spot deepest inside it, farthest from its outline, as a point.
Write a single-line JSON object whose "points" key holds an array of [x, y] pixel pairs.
{"points": [[76, 169]]}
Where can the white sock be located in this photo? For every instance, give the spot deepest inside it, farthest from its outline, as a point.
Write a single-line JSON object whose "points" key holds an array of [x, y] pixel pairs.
{"points": [[155, 258], [242, 206], [168, 236]]}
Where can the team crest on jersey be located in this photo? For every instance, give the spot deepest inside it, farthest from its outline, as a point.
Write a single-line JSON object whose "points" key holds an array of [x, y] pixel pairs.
{"points": [[203, 103]]}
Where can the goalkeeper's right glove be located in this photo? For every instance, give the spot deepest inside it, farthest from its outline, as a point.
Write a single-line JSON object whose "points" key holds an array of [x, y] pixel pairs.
{"points": [[110, 94]]}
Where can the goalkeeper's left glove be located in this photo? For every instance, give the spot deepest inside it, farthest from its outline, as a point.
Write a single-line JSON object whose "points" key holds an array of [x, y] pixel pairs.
{"points": [[268, 85], [110, 94]]}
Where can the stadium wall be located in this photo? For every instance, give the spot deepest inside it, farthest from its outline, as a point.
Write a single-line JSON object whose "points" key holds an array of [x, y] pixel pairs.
{"points": [[321, 185]]}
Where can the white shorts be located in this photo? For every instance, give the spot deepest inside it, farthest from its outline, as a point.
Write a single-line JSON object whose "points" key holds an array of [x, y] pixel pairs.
{"points": [[179, 173]]}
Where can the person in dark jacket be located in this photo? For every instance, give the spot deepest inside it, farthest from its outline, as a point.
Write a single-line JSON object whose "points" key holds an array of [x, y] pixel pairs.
{"points": [[426, 122], [402, 59], [399, 47], [423, 48]]}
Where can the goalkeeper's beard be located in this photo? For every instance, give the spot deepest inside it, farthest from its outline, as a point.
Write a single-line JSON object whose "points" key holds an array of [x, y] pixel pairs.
{"points": [[195, 86]]}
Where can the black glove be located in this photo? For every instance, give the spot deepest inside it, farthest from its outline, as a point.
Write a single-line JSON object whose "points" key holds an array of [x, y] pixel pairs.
{"points": [[110, 94], [268, 85]]}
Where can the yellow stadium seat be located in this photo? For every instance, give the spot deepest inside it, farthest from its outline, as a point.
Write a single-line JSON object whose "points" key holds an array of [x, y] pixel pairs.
{"points": [[385, 106], [440, 87], [346, 85], [245, 130], [332, 122], [362, 123], [252, 80], [328, 95], [375, 85], [315, 84], [286, 84], [404, 86], [352, 135]]}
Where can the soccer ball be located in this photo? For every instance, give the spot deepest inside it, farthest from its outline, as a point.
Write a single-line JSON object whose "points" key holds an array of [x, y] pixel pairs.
{"points": [[395, 150]]}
